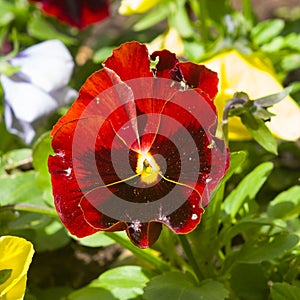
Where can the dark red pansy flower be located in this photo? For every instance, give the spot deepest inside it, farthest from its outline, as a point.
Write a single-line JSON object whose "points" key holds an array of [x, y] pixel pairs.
{"points": [[137, 149], [77, 13]]}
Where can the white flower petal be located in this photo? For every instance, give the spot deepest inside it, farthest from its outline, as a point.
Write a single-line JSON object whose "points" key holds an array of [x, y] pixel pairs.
{"points": [[64, 96], [22, 129], [27, 101], [49, 65]]}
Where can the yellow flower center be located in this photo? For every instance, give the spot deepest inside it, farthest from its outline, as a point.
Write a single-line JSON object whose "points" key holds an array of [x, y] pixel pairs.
{"points": [[147, 168]]}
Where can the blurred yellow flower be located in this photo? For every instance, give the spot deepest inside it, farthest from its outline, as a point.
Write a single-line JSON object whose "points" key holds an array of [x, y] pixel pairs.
{"points": [[16, 255], [131, 7], [170, 40], [256, 77]]}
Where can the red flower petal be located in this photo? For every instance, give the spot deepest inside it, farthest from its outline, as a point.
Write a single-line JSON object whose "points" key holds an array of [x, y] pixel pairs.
{"points": [[129, 61], [197, 76], [79, 13]]}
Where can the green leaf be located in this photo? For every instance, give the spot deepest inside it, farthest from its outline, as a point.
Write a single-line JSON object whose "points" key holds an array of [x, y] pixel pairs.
{"points": [[284, 291], [210, 223], [249, 282], [7, 13], [259, 131], [290, 62], [193, 50], [51, 293], [286, 205], [41, 151], [40, 28], [293, 41], [271, 248], [236, 160], [20, 188], [16, 158], [4, 275], [178, 286], [274, 45], [265, 31], [7, 69], [247, 189], [274, 98], [101, 54], [244, 225], [99, 239], [126, 282], [148, 255], [92, 293], [50, 237], [153, 17], [223, 8], [180, 20]]}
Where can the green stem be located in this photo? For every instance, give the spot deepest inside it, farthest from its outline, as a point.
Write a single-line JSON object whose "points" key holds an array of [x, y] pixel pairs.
{"points": [[229, 105], [31, 208], [247, 11], [144, 254], [203, 21], [190, 256]]}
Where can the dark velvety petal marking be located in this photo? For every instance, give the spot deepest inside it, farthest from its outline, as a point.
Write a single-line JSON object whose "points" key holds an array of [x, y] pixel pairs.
{"points": [[167, 61], [130, 61], [144, 235], [80, 13], [197, 76]]}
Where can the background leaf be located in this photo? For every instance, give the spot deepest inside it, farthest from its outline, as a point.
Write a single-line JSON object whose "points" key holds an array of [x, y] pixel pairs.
{"points": [[247, 189], [41, 29], [4, 275], [284, 291], [286, 204], [177, 286], [265, 31], [259, 131]]}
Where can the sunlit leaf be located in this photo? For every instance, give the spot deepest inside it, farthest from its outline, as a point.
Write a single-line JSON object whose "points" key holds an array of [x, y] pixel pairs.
{"points": [[126, 282], [247, 189], [7, 13], [20, 188], [291, 62], [286, 204], [265, 31], [40, 28], [260, 132], [99, 239], [152, 18]]}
